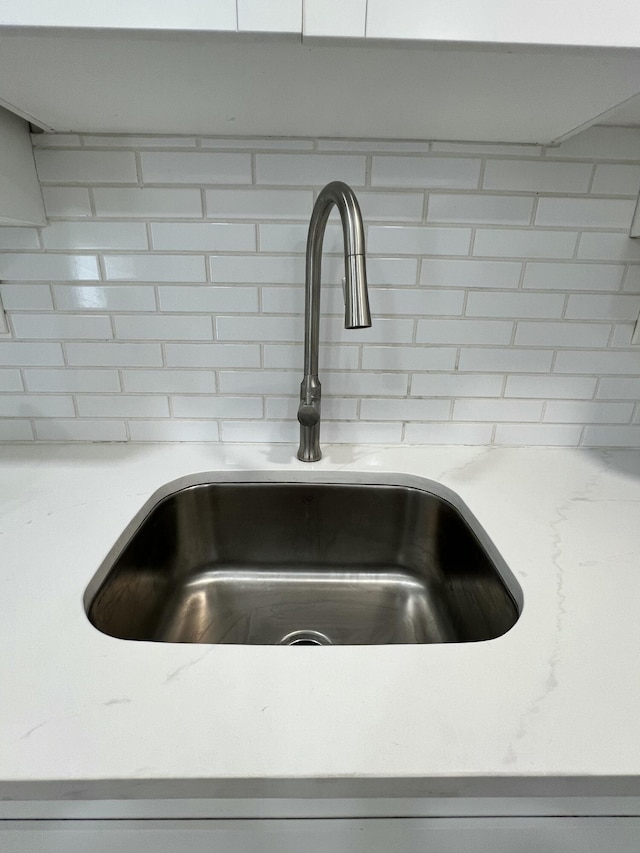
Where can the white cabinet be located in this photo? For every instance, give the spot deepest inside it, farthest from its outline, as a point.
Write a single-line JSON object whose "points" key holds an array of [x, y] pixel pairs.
{"points": [[433, 835], [20, 196]]}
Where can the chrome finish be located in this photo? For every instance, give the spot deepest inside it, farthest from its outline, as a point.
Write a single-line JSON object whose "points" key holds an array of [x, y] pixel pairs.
{"points": [[356, 299], [300, 563]]}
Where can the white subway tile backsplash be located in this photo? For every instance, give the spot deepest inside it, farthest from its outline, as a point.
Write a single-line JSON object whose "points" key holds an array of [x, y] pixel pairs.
{"points": [[155, 268], [308, 170], [48, 267], [502, 312], [572, 276], [208, 298], [61, 326], [104, 297], [464, 331], [72, 379], [483, 209], [95, 235], [203, 236], [202, 167], [515, 243], [500, 304], [212, 355], [413, 240], [425, 172], [163, 327], [470, 274], [259, 204], [562, 334], [537, 176], [148, 203], [26, 297], [584, 212]]}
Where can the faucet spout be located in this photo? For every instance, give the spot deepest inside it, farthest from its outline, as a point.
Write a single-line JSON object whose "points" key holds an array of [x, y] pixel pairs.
{"points": [[357, 315]]}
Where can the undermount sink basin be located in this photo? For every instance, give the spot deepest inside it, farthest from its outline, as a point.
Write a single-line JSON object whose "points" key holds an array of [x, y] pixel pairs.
{"points": [[331, 560]]}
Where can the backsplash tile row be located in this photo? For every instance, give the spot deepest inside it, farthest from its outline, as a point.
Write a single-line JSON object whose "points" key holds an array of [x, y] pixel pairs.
{"points": [[164, 300]]}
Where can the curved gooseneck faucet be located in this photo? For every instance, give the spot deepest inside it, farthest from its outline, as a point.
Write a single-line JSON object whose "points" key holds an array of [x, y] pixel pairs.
{"points": [[356, 300]]}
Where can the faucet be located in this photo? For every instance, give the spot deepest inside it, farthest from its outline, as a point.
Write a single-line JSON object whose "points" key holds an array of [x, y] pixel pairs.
{"points": [[356, 301]]}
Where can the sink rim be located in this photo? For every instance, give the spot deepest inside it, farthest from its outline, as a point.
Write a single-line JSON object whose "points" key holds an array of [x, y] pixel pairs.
{"points": [[278, 477]]}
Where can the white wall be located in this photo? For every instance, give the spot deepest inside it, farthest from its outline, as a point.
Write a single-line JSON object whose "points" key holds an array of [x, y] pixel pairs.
{"points": [[164, 300]]}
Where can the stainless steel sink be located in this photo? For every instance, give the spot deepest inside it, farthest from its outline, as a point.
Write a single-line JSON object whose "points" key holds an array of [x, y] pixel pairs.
{"points": [[331, 561]]}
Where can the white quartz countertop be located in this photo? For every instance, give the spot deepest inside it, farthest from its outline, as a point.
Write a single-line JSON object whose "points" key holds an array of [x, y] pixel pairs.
{"points": [[553, 705]]}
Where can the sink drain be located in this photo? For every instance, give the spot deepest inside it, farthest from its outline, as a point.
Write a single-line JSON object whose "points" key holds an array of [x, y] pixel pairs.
{"points": [[305, 638]]}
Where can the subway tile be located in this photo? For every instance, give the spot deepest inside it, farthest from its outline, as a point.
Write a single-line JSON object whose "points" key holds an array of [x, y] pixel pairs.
{"points": [[395, 272], [562, 334], [456, 385], [419, 302], [36, 406], [622, 335], [66, 201], [361, 432], [585, 212], [122, 406], [293, 238], [23, 354], [611, 436], [114, 354], [470, 273], [212, 355], [147, 141], [201, 167], [19, 238], [216, 407], [425, 172], [208, 298], [603, 143], [608, 247], [480, 209], [10, 380], [497, 410], [506, 360], [450, 433], [187, 268], [308, 170], [632, 278], [257, 143], [169, 381], [80, 430], [572, 276], [26, 297], [291, 356], [290, 300], [95, 167], [95, 235], [365, 384], [154, 203], [413, 240], [62, 326], [464, 331], [382, 331], [588, 413], [163, 327], [537, 176], [278, 16], [559, 387], [173, 430], [381, 409], [333, 408], [609, 307], [47, 267], [416, 357], [616, 179], [523, 435], [16, 430], [204, 236], [258, 382], [597, 362], [390, 206], [72, 379], [274, 432], [516, 305], [104, 297], [244, 269], [259, 328], [627, 388], [259, 204], [514, 243]]}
